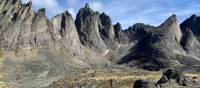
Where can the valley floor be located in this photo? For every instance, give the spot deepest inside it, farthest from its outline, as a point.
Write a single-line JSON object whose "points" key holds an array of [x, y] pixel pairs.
{"points": [[113, 78]]}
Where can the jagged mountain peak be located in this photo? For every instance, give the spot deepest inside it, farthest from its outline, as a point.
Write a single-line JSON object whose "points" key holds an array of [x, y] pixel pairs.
{"points": [[16, 2], [139, 26], [194, 17], [41, 11], [117, 26], [105, 19], [87, 6], [90, 23], [86, 9], [170, 21], [193, 24], [171, 29], [30, 3], [65, 13]]}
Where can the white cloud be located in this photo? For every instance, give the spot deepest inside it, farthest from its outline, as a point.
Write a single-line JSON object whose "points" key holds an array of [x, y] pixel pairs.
{"points": [[25, 1], [52, 6], [72, 2], [127, 12], [96, 6], [72, 12]]}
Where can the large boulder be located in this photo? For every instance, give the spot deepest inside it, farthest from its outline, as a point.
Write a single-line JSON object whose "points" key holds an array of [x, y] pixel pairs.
{"points": [[144, 84], [173, 75]]}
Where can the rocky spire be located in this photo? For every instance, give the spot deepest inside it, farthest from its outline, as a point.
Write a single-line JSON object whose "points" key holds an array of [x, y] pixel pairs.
{"points": [[107, 31], [117, 29], [29, 4], [87, 24], [170, 29], [120, 35], [191, 35], [41, 12], [87, 6], [64, 28], [171, 20], [193, 24]]}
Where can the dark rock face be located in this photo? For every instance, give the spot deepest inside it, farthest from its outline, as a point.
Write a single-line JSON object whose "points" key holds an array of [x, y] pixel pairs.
{"points": [[154, 50], [133, 34], [190, 39], [192, 23], [87, 26], [21, 27], [65, 32], [170, 33], [190, 43], [107, 31], [95, 30], [144, 84], [120, 34], [138, 31]]}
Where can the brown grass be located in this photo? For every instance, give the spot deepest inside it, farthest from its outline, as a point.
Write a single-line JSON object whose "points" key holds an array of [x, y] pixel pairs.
{"points": [[103, 78], [118, 78]]}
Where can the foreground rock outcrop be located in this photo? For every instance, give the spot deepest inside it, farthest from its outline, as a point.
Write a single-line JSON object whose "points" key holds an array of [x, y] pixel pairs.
{"points": [[171, 78], [175, 76], [144, 84], [172, 74]]}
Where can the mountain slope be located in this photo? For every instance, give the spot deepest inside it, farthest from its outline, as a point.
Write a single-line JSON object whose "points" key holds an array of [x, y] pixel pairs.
{"points": [[159, 49], [95, 30], [192, 23]]}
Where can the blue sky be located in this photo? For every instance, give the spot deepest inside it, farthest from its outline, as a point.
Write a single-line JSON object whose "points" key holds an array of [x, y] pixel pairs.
{"points": [[127, 12]]}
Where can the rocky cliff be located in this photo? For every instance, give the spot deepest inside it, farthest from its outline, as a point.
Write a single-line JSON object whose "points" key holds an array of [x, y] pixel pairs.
{"points": [[95, 30], [190, 40], [162, 48], [192, 23], [21, 27]]}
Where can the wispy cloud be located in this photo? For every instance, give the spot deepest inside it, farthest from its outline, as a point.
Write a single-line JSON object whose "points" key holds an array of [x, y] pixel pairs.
{"points": [[96, 6], [73, 12], [52, 6], [127, 12], [72, 2]]}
